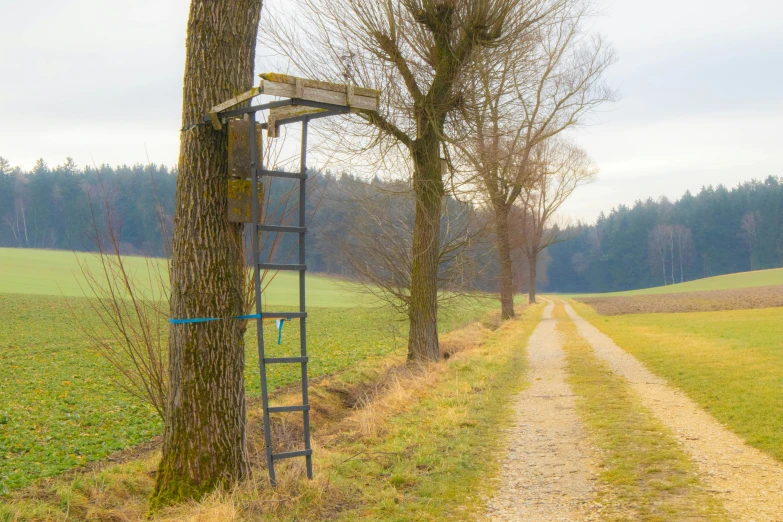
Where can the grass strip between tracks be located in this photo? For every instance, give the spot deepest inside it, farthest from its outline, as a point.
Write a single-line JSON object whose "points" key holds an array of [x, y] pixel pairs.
{"points": [[644, 475]]}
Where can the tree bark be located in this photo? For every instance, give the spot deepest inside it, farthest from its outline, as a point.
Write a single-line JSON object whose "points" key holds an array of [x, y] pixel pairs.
{"points": [[204, 443], [531, 293], [504, 260], [423, 310]]}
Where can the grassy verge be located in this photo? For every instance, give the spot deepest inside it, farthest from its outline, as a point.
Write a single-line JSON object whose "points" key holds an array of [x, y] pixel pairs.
{"points": [[730, 362], [645, 474], [431, 457], [392, 443]]}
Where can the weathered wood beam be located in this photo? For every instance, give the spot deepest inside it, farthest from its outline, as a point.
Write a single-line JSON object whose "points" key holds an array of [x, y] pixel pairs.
{"points": [[285, 86], [283, 113], [337, 94], [236, 100]]}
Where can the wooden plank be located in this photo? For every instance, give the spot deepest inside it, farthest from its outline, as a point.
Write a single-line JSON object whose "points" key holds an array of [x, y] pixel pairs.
{"points": [[240, 196], [282, 113], [316, 84], [213, 118], [335, 94], [273, 84], [236, 100], [239, 147]]}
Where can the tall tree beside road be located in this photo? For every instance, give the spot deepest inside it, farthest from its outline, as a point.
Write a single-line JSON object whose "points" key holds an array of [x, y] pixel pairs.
{"points": [[524, 94], [558, 168], [418, 54], [204, 444]]}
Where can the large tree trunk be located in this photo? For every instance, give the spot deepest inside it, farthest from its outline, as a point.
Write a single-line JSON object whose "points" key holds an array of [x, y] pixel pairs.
{"points": [[531, 293], [423, 310], [204, 442], [503, 243]]}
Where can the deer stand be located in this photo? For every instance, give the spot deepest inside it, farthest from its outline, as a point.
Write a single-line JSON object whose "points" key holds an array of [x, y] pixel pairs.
{"points": [[306, 100]]}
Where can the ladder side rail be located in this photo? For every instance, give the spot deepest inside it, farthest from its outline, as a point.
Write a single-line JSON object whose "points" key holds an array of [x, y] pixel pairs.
{"points": [[302, 304], [256, 158]]}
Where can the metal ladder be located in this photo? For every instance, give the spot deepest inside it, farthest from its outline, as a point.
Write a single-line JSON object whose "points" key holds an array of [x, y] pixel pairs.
{"points": [[319, 100], [257, 170]]}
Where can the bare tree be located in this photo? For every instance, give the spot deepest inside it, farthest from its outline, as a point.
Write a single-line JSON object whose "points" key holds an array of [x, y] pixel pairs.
{"points": [[557, 169], [684, 242], [522, 95], [580, 262], [376, 236], [658, 243], [749, 233], [131, 308], [131, 305], [670, 244], [417, 53], [204, 443]]}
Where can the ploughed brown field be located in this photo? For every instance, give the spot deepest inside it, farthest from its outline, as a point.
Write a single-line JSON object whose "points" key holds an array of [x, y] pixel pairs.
{"points": [[707, 301]]}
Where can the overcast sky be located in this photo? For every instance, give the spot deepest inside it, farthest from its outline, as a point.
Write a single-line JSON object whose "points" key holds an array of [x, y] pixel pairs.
{"points": [[699, 82]]}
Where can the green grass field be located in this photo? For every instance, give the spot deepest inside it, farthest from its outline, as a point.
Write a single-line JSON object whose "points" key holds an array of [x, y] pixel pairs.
{"points": [[420, 445], [730, 362], [770, 277], [57, 273], [58, 405]]}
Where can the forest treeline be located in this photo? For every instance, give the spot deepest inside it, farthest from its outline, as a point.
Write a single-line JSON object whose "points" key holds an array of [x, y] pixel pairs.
{"points": [[54, 207], [716, 231]]}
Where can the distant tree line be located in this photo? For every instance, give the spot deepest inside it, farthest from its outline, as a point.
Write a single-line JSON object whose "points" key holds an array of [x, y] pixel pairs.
{"points": [[54, 207], [62, 207], [717, 231]]}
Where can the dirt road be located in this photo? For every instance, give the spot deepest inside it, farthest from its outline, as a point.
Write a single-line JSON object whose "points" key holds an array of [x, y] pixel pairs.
{"points": [[749, 482], [549, 472]]}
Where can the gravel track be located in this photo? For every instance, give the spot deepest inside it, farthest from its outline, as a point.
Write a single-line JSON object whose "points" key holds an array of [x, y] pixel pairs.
{"points": [[747, 481], [549, 471]]}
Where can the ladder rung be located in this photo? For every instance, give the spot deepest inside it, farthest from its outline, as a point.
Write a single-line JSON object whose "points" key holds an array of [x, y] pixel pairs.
{"points": [[281, 174], [283, 360], [292, 454], [284, 409], [284, 315], [281, 266], [278, 228]]}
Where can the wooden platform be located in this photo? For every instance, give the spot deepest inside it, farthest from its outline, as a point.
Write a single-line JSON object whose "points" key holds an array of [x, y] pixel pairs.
{"points": [[285, 86]]}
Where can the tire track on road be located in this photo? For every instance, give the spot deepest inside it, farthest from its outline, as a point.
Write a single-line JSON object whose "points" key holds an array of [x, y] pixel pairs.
{"points": [[748, 482], [549, 471]]}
